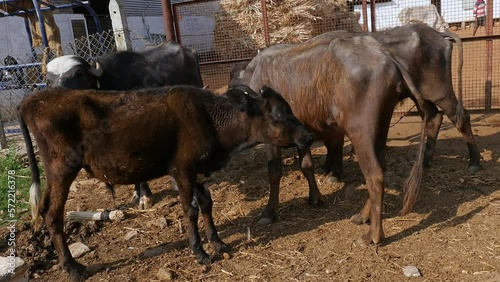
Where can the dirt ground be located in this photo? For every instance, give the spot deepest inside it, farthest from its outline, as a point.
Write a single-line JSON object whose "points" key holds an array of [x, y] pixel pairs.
{"points": [[452, 234]]}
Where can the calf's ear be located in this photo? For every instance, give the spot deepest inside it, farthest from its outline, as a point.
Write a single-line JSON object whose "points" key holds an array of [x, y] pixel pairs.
{"points": [[238, 98], [243, 100]]}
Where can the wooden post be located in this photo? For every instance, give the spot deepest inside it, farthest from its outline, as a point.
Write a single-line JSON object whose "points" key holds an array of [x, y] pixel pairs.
{"points": [[120, 27]]}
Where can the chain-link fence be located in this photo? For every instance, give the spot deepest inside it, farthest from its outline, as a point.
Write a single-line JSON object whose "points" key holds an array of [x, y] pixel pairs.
{"points": [[22, 73]]}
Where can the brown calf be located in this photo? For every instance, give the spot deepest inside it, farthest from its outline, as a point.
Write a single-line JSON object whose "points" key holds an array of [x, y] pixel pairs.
{"points": [[125, 137]]}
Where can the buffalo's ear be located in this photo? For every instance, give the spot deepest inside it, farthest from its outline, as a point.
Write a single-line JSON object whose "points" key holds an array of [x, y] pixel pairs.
{"points": [[97, 71], [267, 92], [269, 95]]}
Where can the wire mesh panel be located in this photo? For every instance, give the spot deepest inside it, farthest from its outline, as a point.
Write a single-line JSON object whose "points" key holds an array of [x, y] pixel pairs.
{"points": [[475, 75], [231, 31], [209, 28], [476, 22], [20, 74], [227, 31]]}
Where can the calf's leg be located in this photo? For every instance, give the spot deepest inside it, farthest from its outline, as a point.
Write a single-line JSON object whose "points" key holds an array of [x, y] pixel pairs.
{"points": [[205, 204], [307, 167], [187, 186], [274, 170], [59, 178]]}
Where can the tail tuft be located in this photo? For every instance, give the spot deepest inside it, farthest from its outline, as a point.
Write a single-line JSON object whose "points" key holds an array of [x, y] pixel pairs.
{"points": [[412, 183], [460, 115], [35, 204]]}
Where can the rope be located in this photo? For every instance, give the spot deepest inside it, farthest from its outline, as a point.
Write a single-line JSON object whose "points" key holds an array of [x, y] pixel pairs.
{"points": [[45, 59], [402, 116]]}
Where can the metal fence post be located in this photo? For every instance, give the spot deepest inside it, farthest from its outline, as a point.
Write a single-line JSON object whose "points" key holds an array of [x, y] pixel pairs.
{"points": [[365, 16], [265, 22], [166, 8], [372, 16], [3, 140], [120, 27], [489, 56]]}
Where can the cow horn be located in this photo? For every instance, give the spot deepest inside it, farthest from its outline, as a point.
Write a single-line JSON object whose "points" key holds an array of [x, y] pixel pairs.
{"points": [[97, 71]]}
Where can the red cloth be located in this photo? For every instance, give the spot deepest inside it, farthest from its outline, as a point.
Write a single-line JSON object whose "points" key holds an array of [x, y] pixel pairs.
{"points": [[479, 9]]}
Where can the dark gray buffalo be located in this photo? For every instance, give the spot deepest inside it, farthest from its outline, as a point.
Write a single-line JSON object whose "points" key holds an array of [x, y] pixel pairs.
{"points": [[427, 55], [348, 84], [190, 131], [166, 64]]}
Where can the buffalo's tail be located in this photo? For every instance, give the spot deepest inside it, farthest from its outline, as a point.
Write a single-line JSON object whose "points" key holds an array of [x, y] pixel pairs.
{"points": [[412, 184]]}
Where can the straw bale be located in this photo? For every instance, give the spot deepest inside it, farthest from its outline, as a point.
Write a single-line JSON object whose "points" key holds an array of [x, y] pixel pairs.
{"points": [[239, 27]]}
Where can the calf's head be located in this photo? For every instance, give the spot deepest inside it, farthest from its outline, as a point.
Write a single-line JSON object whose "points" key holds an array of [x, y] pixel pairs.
{"points": [[273, 120], [72, 72]]}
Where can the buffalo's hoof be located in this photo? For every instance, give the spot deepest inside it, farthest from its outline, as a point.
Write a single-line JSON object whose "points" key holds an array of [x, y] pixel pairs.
{"points": [[135, 199], [220, 247], [203, 258], [316, 202], [145, 203], [324, 170], [267, 217], [473, 169], [359, 219], [76, 271], [368, 239], [332, 179], [173, 184]]}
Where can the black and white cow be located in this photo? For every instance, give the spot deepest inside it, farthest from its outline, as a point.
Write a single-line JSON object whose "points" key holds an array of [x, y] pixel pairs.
{"points": [[166, 64]]}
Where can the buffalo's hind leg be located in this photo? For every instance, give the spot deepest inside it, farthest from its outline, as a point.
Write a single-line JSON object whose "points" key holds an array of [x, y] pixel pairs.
{"points": [[205, 204], [142, 196], [187, 188], [434, 121], [146, 201], [373, 171], [363, 216], [333, 165], [59, 177], [461, 119]]}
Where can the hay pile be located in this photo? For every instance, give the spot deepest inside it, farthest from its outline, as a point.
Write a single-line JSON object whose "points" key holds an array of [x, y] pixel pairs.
{"points": [[239, 29]]}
